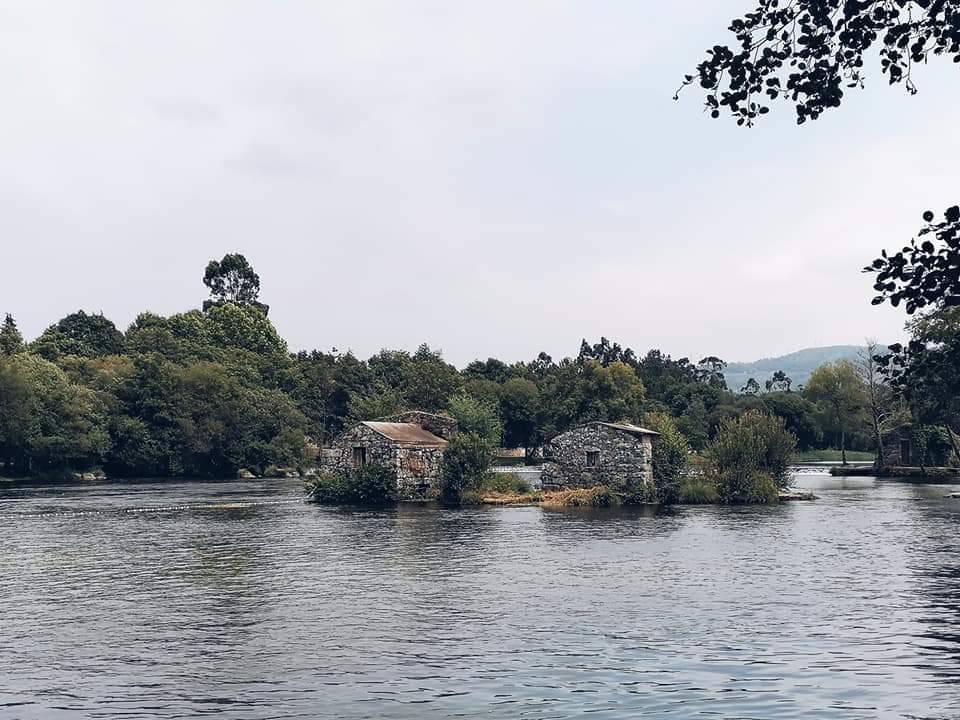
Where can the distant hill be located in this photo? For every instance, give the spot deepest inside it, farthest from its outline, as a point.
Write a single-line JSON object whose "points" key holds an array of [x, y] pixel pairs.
{"points": [[797, 365]]}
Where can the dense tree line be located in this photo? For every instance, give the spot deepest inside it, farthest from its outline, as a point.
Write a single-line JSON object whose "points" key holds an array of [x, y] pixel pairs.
{"points": [[207, 392]]}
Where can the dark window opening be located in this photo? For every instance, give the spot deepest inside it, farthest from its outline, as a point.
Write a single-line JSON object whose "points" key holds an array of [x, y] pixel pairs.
{"points": [[593, 457], [904, 452], [359, 456]]}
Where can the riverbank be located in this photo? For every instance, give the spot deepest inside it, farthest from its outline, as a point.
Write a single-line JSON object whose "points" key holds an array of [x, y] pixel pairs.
{"points": [[822, 456], [598, 498], [895, 472]]}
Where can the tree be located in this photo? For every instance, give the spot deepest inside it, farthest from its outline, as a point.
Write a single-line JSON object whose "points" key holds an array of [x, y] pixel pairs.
{"points": [[82, 335], [883, 408], [232, 280], [11, 341], [520, 410], [671, 457], [924, 276], [490, 369], [429, 382], [751, 388], [710, 372], [802, 52], [926, 273], [799, 416], [377, 402], [779, 382], [477, 417], [465, 462], [606, 353], [47, 424], [839, 390], [807, 51]]}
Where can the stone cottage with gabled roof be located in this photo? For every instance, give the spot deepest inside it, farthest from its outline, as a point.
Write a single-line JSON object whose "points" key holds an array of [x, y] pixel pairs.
{"points": [[411, 443], [619, 455]]}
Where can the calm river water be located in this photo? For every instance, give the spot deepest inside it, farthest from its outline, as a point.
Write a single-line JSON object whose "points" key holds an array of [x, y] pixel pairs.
{"points": [[175, 600]]}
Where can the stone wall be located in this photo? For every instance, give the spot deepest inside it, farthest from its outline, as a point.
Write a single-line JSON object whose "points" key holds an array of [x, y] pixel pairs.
{"points": [[418, 469], [893, 449], [339, 456], [624, 461]]}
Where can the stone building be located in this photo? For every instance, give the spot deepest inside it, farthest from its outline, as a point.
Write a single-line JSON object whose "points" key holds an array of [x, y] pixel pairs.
{"points": [[898, 447], [600, 453], [410, 443]]}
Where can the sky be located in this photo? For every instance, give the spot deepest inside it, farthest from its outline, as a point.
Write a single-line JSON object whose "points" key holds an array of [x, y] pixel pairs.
{"points": [[494, 179]]}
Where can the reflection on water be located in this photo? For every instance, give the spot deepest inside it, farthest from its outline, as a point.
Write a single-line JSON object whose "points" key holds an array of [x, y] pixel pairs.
{"points": [[163, 600]]}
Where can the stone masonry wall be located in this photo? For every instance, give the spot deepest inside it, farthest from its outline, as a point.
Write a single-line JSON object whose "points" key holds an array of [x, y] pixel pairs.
{"points": [[624, 461], [339, 456], [419, 472], [418, 469]]}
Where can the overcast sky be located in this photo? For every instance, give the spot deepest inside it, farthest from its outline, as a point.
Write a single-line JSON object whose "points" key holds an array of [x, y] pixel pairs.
{"points": [[492, 178]]}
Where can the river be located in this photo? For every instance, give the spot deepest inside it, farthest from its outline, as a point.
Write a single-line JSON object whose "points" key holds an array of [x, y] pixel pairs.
{"points": [[176, 600]]}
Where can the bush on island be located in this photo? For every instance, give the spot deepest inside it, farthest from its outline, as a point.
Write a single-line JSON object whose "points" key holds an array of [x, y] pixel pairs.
{"points": [[749, 458], [698, 490], [466, 462], [505, 484], [368, 485]]}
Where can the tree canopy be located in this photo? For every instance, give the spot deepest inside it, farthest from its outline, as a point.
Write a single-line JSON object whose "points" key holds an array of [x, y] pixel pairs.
{"points": [[808, 52], [232, 280]]}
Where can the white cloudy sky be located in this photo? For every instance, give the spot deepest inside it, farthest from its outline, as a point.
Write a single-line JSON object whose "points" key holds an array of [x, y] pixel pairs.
{"points": [[493, 178]]}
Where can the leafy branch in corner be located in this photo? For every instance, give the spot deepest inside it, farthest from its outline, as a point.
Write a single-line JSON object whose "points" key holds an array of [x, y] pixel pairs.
{"points": [[808, 51]]}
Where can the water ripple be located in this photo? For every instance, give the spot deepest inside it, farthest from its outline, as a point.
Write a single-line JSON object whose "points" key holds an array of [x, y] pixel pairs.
{"points": [[176, 600]]}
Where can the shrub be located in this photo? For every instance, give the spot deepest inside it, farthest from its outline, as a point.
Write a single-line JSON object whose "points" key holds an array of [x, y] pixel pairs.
{"points": [[698, 490], [596, 497], [466, 461], [762, 490], [671, 456], [506, 484], [746, 448], [369, 485]]}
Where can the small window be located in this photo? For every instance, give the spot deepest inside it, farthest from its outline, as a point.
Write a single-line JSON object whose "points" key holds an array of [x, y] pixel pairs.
{"points": [[593, 457], [359, 456]]}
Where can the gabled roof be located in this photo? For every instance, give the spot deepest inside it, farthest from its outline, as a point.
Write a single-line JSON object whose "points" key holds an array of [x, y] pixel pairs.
{"points": [[406, 433], [634, 430], [626, 427]]}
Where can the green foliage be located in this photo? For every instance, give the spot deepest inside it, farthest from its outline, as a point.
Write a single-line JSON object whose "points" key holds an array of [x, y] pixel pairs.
{"points": [[698, 490], [429, 382], [47, 423], [505, 484], [839, 391], [477, 417], [11, 341], [746, 452], [232, 281], [466, 461], [671, 456], [799, 416], [519, 410], [79, 334], [377, 402], [371, 485]]}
